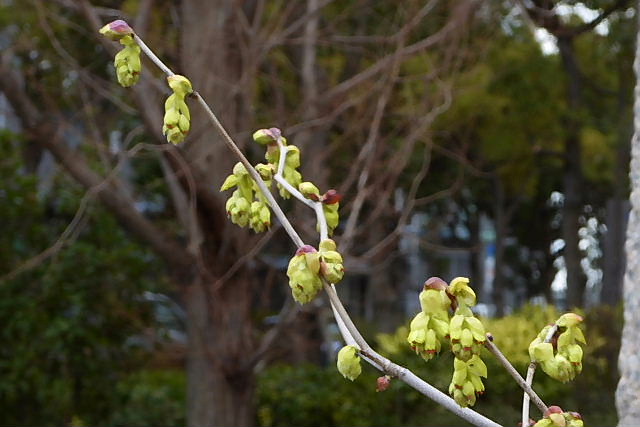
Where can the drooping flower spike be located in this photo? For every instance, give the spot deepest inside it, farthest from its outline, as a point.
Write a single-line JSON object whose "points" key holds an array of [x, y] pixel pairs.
{"points": [[127, 62]]}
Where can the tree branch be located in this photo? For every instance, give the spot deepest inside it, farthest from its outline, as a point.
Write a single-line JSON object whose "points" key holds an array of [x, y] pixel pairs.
{"points": [[531, 370], [516, 376], [50, 137], [617, 5], [461, 14]]}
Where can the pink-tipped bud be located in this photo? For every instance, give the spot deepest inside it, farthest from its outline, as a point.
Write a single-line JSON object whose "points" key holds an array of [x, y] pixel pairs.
{"points": [[553, 410], [331, 197], [306, 249], [435, 283], [267, 136], [383, 383], [116, 30]]}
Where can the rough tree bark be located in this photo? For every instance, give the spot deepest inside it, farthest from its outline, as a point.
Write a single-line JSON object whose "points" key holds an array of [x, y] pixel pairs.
{"points": [[618, 206], [628, 389], [220, 382]]}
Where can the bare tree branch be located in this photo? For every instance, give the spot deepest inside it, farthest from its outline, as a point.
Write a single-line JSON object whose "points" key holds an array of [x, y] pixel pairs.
{"points": [[50, 138]]}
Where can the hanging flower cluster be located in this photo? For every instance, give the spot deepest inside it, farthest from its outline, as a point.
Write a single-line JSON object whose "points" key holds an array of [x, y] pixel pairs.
{"points": [[247, 205], [127, 62], [561, 358], [555, 417], [430, 327], [466, 383], [464, 332], [349, 362], [177, 119], [270, 138], [308, 266]]}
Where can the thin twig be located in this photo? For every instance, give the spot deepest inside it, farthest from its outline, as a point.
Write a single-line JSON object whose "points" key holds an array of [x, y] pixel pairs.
{"points": [[531, 370], [516, 376], [279, 177], [72, 230], [316, 206]]}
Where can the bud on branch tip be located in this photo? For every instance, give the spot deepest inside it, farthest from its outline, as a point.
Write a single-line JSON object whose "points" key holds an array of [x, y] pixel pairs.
{"points": [[116, 30]]}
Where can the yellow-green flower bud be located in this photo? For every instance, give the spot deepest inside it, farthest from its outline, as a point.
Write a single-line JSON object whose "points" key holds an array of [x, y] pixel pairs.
{"points": [[476, 327], [331, 263], [435, 302], [303, 273], [229, 183], [440, 326], [558, 420], [177, 118], [238, 209], [260, 217], [540, 352], [469, 393], [561, 359], [459, 397], [331, 215], [293, 157], [180, 85], [574, 419], [267, 136], [309, 190], [559, 368], [459, 287], [349, 362], [466, 383], [266, 172], [176, 124], [555, 417], [466, 333], [116, 30], [569, 320], [425, 335], [127, 62]]}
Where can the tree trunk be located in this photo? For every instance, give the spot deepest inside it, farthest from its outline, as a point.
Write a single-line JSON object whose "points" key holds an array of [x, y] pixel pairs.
{"points": [[501, 234], [614, 260], [220, 382], [618, 205], [572, 179], [628, 389]]}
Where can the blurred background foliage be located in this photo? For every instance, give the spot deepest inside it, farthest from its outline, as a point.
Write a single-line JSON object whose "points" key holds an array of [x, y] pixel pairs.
{"points": [[84, 337]]}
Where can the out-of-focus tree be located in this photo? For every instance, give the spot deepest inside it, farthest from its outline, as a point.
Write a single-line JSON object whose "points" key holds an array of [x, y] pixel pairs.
{"points": [[545, 15], [508, 122]]}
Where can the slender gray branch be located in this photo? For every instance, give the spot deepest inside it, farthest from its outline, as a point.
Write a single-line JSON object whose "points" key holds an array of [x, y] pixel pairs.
{"points": [[531, 370], [516, 376]]}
